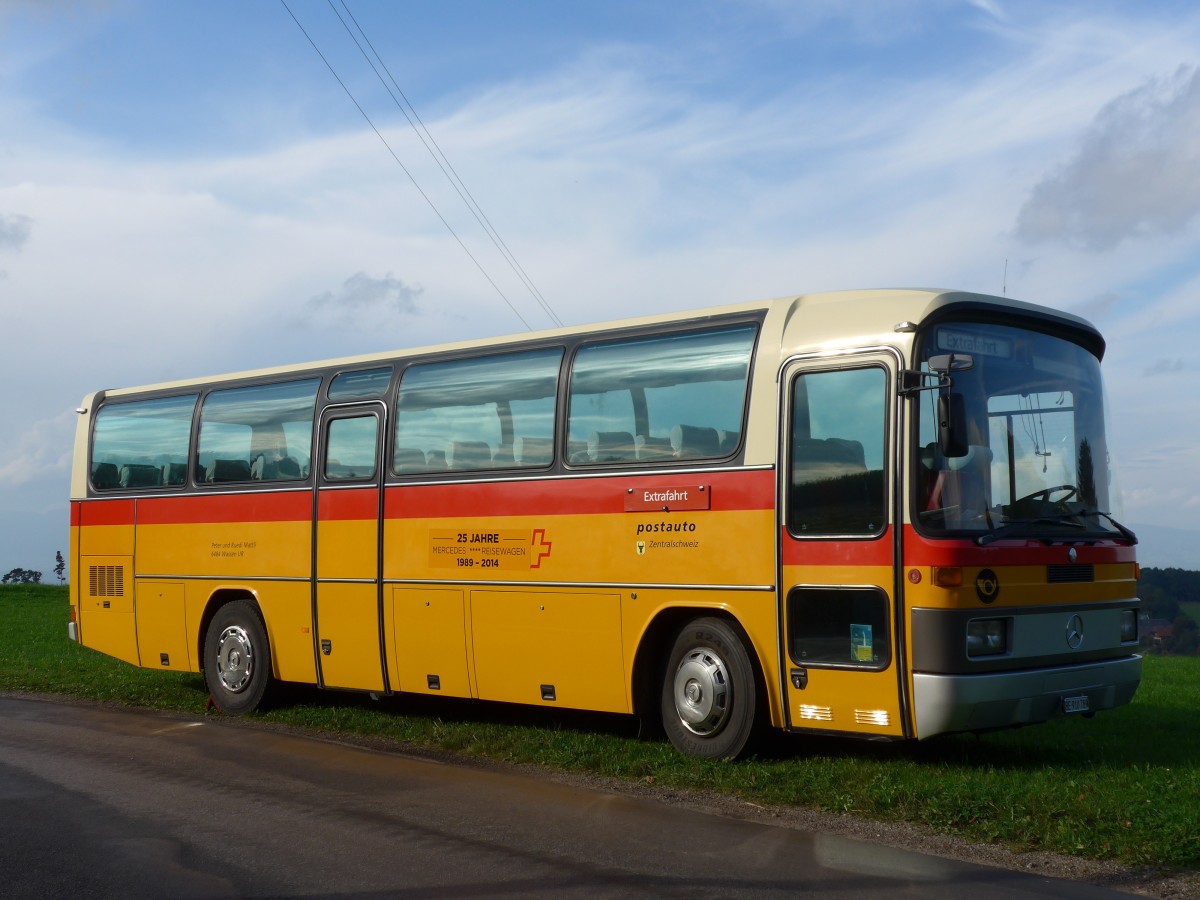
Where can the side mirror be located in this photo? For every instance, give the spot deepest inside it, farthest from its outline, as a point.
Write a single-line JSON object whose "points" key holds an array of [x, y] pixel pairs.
{"points": [[948, 363], [952, 425]]}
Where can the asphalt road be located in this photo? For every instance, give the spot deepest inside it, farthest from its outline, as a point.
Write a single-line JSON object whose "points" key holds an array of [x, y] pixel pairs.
{"points": [[98, 802]]}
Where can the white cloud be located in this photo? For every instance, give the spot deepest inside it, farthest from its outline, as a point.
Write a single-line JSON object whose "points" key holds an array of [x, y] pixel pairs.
{"points": [[1136, 174], [361, 295], [41, 449], [14, 231]]}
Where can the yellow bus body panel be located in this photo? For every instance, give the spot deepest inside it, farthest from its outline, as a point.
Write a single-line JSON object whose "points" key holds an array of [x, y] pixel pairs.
{"points": [[549, 646], [429, 642], [348, 623], [162, 626], [106, 616], [853, 700]]}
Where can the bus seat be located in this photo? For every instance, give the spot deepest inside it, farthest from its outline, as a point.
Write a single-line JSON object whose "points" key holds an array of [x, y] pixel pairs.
{"points": [[135, 475], [462, 455], [174, 473], [105, 476], [533, 451], [286, 468], [409, 460], [652, 447], [503, 457], [435, 460], [610, 446], [228, 470], [727, 441], [694, 441]]}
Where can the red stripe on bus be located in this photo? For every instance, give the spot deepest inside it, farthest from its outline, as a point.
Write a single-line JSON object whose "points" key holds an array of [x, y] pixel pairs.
{"points": [[838, 552], [348, 504], [962, 552], [289, 506], [727, 491], [105, 512], [919, 551], [570, 496]]}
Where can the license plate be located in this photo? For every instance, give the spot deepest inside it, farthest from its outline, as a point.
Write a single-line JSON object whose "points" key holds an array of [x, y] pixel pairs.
{"points": [[1075, 704]]}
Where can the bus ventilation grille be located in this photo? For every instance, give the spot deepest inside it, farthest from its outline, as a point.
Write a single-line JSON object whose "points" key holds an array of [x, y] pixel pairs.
{"points": [[1083, 574], [106, 581], [816, 713]]}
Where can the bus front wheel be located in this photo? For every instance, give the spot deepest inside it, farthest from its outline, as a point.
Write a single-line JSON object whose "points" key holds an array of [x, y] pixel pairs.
{"points": [[709, 698], [237, 658]]}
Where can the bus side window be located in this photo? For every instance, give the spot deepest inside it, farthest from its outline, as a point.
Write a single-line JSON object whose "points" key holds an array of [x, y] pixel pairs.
{"points": [[477, 413], [677, 396], [836, 472], [350, 449], [256, 433]]}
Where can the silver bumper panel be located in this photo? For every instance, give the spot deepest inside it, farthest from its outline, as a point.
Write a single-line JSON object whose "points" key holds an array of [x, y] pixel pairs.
{"points": [[950, 703]]}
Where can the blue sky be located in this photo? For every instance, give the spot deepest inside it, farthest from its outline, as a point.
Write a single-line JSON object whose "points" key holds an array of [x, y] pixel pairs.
{"points": [[185, 189]]}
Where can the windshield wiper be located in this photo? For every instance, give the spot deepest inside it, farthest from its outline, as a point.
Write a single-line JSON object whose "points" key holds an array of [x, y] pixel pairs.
{"points": [[1059, 519], [1013, 527], [1125, 531]]}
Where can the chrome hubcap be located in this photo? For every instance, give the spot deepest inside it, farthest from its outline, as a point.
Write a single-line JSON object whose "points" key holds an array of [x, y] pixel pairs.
{"points": [[702, 692], [235, 658]]}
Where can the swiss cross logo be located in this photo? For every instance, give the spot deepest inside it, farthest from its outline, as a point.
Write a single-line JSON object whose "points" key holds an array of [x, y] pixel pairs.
{"points": [[541, 547]]}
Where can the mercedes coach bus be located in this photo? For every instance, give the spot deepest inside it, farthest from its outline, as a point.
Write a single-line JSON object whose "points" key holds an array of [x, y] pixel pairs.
{"points": [[890, 514]]}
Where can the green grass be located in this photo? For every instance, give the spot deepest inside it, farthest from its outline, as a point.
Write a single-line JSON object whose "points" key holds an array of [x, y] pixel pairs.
{"points": [[1124, 786]]}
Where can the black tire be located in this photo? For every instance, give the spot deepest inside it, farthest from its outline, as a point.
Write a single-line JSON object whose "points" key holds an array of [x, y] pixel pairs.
{"points": [[237, 658], [709, 691]]}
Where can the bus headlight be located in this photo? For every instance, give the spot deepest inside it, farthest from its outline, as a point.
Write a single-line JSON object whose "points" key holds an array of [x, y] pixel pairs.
{"points": [[1129, 629], [987, 637]]}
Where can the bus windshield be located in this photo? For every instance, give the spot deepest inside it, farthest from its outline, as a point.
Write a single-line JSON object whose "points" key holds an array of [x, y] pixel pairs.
{"points": [[1037, 461]]}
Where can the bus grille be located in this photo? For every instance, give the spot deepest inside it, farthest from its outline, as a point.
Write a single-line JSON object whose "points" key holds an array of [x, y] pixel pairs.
{"points": [[1081, 574], [106, 581]]}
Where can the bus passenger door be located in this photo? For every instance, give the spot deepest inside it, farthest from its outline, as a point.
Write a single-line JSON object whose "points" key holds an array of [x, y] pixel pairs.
{"points": [[347, 595], [839, 650]]}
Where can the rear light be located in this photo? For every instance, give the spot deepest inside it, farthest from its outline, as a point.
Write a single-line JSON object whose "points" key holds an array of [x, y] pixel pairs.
{"points": [[1129, 626], [987, 637]]}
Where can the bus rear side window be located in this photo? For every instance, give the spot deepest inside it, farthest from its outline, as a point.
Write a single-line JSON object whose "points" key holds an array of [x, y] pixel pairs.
{"points": [[666, 397], [142, 444]]}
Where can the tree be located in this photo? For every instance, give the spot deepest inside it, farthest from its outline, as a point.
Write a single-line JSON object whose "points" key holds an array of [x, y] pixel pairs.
{"points": [[1185, 636], [60, 566], [22, 576]]}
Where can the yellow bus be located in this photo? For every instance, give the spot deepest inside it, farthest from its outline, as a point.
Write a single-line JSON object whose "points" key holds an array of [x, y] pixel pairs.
{"points": [[887, 513]]}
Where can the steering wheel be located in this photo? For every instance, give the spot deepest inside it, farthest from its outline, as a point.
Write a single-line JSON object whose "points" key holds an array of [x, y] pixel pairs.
{"points": [[1045, 493]]}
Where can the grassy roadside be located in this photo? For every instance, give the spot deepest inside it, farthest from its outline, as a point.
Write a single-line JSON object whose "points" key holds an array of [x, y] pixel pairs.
{"points": [[1124, 786]]}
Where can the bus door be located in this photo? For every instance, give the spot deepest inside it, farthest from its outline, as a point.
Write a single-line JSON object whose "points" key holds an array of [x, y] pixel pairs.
{"points": [[347, 594], [839, 650]]}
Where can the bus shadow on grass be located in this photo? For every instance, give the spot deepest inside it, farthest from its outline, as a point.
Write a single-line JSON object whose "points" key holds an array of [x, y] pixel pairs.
{"points": [[1141, 734], [1144, 733]]}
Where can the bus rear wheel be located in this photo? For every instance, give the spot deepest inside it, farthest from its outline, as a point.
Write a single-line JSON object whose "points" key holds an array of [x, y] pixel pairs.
{"points": [[709, 696], [237, 658]]}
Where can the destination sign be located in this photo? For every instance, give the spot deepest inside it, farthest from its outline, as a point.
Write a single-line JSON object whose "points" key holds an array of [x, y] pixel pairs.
{"points": [[978, 343]]}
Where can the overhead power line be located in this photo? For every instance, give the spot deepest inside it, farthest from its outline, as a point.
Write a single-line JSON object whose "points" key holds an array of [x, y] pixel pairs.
{"points": [[404, 168], [435, 151]]}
